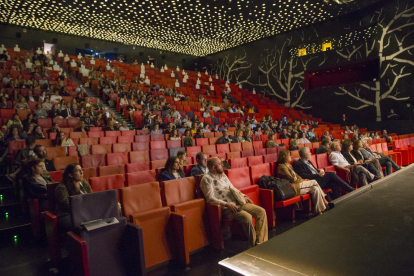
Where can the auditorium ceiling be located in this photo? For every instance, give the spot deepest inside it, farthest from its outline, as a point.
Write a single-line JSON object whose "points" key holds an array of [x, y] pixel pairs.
{"points": [[194, 27]]}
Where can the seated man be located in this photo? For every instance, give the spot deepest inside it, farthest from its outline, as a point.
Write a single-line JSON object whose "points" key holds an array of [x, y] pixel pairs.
{"points": [[41, 153], [326, 135], [218, 189], [386, 161], [305, 169], [385, 135], [337, 159], [323, 147], [226, 138], [201, 167]]}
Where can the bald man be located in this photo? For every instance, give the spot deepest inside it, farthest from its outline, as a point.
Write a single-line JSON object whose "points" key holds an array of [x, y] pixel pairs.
{"points": [[218, 189]]}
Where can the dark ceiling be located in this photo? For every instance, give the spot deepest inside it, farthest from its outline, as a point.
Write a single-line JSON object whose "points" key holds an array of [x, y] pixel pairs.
{"points": [[194, 27]]}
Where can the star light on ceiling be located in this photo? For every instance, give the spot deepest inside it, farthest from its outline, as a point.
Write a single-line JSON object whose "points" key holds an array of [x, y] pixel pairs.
{"points": [[194, 27]]}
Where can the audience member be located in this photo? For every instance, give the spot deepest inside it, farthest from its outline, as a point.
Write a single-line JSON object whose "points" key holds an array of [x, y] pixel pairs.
{"points": [[386, 161], [271, 143], [201, 167], [172, 169], [285, 170], [323, 147], [62, 141], [218, 189], [41, 153]]}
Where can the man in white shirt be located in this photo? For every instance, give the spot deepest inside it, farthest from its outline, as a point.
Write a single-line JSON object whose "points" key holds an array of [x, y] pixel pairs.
{"points": [[337, 159], [106, 90], [218, 189], [7, 79], [56, 98], [175, 114]]}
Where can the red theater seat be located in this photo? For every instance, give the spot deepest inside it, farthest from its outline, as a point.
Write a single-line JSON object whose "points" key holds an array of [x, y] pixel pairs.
{"points": [[159, 154], [62, 162], [239, 177], [254, 160], [238, 162], [93, 161], [111, 170], [136, 178], [139, 156], [137, 167], [117, 158]]}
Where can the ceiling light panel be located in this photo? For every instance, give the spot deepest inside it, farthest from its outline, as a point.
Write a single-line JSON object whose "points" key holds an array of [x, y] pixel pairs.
{"points": [[194, 27]]}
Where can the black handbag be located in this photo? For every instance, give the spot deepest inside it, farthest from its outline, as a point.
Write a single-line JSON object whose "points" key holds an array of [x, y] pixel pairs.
{"points": [[282, 189]]}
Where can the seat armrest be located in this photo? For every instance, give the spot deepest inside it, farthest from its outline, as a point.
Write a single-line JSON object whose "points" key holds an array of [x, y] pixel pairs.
{"points": [[180, 238], [78, 254], [214, 217], [134, 255], [330, 169], [342, 173], [267, 200], [52, 235], [34, 211]]}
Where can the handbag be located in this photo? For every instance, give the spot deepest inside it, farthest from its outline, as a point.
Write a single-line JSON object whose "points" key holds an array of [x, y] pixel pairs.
{"points": [[238, 196], [282, 189]]}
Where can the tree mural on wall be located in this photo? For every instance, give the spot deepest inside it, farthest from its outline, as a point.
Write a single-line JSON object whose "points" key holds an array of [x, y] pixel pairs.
{"points": [[233, 69], [393, 60], [284, 75]]}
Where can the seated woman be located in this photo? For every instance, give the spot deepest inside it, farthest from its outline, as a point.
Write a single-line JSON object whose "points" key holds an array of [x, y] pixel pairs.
{"points": [[156, 130], [38, 133], [182, 156], [62, 141], [111, 125], [174, 135], [72, 184], [271, 143], [82, 127], [373, 166], [99, 121], [35, 182], [40, 113], [200, 134], [239, 136], [171, 170], [258, 131], [248, 135], [303, 139], [284, 170], [293, 144], [187, 138], [22, 104]]}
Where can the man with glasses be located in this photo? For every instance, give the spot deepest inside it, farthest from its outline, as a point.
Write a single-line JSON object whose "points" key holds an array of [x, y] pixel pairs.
{"points": [[201, 167], [218, 189], [41, 153]]}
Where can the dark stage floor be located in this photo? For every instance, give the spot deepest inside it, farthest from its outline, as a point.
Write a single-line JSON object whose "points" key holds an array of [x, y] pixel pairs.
{"points": [[370, 233]]}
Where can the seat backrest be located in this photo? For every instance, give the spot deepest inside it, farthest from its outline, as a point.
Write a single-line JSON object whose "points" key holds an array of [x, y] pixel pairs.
{"points": [[44, 123], [192, 151], [128, 133], [247, 153], [313, 160], [124, 147], [159, 154], [384, 147], [258, 171], [89, 173], [258, 152], [137, 167], [209, 149], [84, 207], [93, 161], [125, 139], [111, 170], [157, 145], [56, 152], [171, 144], [294, 154], [108, 182], [247, 146], [56, 176], [231, 155], [322, 160], [117, 158], [157, 137], [235, 147], [213, 140], [239, 177], [270, 158], [140, 198], [77, 135], [50, 191], [257, 144], [201, 141], [138, 146], [177, 190], [238, 162], [373, 147], [96, 134], [139, 156], [73, 122], [115, 133], [102, 149], [107, 140], [142, 138], [136, 178], [223, 148], [158, 164], [62, 162], [254, 160]]}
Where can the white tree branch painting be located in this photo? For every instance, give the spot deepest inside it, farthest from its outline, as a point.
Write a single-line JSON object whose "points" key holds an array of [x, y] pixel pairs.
{"points": [[392, 33], [233, 69]]}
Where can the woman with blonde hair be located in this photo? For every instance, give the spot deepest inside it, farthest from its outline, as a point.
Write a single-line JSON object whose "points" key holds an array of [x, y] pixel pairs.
{"points": [[284, 170], [182, 156]]}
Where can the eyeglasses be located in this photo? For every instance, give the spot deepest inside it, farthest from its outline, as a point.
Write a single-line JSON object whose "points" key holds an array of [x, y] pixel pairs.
{"points": [[78, 171]]}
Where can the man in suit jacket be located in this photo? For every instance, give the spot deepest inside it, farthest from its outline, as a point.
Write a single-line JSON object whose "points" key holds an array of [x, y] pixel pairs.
{"points": [[201, 167], [68, 111], [305, 169]]}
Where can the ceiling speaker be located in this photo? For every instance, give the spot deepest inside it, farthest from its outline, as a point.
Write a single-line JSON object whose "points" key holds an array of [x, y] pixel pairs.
{"points": [[54, 40], [18, 35]]}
